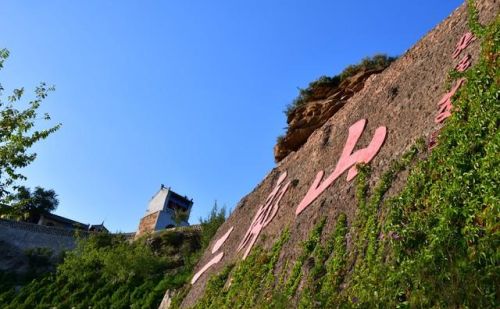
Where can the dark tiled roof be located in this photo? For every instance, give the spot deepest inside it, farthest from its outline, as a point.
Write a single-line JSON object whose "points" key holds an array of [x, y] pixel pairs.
{"points": [[63, 219]]}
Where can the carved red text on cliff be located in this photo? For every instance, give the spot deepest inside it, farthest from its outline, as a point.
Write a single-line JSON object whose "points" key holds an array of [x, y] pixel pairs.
{"points": [[265, 214], [464, 63], [445, 103], [347, 161], [463, 43], [216, 259]]}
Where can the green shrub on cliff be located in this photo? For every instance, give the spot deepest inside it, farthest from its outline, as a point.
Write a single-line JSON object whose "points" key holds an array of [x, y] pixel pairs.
{"points": [[104, 270], [377, 62], [211, 224]]}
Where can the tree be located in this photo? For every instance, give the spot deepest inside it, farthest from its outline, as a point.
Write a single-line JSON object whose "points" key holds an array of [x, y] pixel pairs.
{"points": [[210, 225], [18, 133], [180, 215], [28, 205]]}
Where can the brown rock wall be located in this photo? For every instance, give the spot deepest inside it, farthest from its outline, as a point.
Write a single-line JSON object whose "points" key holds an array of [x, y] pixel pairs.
{"points": [[403, 98], [147, 224]]}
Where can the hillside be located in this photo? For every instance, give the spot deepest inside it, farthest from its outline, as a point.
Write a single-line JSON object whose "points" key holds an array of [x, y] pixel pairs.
{"points": [[110, 270], [415, 226], [385, 195]]}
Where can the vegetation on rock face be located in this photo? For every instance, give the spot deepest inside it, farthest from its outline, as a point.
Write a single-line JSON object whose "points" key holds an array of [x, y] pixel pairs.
{"points": [[377, 62], [108, 271], [321, 100], [211, 224], [251, 281], [31, 264], [180, 216], [434, 245]]}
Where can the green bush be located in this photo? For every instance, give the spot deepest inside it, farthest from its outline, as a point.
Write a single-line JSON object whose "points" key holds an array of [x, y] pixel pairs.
{"points": [[210, 225], [108, 271], [377, 62], [39, 257]]}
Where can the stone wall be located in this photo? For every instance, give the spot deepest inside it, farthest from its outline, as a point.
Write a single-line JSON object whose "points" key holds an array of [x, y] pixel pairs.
{"points": [[25, 236], [147, 223]]}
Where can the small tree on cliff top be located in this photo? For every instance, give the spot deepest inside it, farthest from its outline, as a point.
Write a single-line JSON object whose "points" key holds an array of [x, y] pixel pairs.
{"points": [[18, 133], [211, 224]]}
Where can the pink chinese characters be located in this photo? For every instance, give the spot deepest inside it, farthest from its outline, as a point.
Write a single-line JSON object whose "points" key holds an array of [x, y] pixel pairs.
{"points": [[445, 103], [265, 214], [346, 162], [216, 259], [463, 43]]}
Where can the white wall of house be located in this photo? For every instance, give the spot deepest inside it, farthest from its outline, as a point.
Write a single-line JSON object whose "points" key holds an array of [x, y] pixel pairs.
{"points": [[158, 201], [158, 204], [166, 219]]}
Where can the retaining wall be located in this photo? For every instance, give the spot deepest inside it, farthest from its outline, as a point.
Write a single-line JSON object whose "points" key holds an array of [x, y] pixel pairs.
{"points": [[27, 236]]}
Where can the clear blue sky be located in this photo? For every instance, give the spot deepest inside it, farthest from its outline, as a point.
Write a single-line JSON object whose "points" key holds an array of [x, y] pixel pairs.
{"points": [[185, 93]]}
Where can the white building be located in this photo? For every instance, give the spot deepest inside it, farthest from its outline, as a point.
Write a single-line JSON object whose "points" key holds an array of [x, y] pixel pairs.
{"points": [[163, 208]]}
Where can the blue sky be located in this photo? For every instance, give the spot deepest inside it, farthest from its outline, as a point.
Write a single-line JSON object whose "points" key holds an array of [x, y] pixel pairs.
{"points": [[185, 93]]}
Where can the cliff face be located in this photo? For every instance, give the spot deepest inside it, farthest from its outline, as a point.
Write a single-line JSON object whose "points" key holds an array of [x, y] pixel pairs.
{"points": [[378, 124], [324, 103]]}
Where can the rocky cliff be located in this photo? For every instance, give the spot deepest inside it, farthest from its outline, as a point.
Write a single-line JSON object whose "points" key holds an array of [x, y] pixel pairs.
{"points": [[316, 208], [321, 105]]}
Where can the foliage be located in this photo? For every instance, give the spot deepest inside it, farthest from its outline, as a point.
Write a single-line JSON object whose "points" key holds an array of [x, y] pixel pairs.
{"points": [[309, 247], [433, 245], [377, 62], [180, 216], [39, 257], [18, 133], [280, 139], [447, 216], [28, 205], [104, 271], [30, 264], [211, 224], [251, 280], [109, 271]]}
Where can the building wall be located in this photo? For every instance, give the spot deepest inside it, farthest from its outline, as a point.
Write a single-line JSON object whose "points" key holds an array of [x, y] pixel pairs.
{"points": [[30, 236], [157, 221], [147, 224], [54, 223], [165, 219], [157, 203], [159, 215]]}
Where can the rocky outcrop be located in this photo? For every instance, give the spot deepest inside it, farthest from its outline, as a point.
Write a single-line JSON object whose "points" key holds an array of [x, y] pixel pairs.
{"points": [[402, 101], [167, 300], [324, 103]]}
